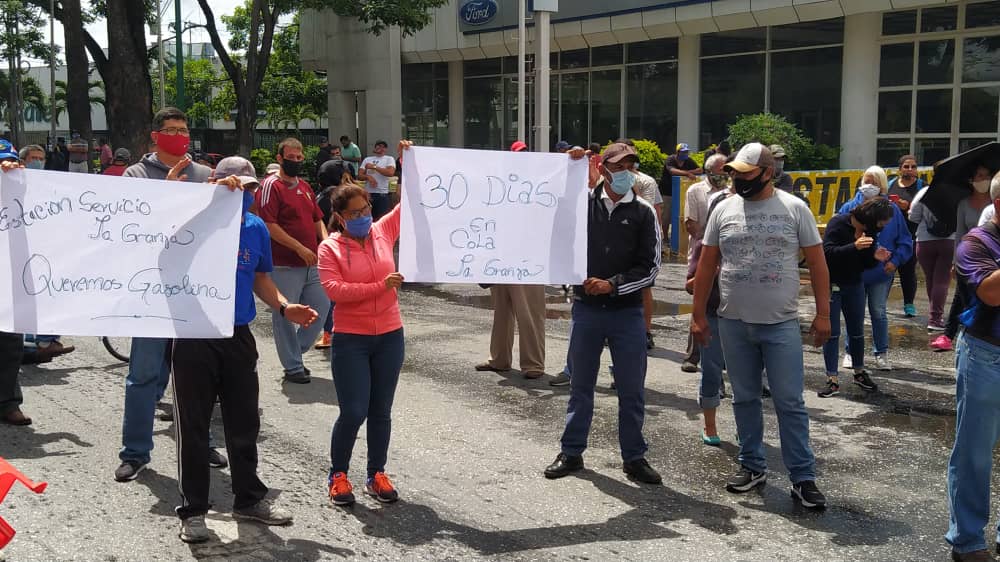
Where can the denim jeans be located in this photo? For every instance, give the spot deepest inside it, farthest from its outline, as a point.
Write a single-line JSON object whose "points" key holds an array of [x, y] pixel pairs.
{"points": [[749, 349], [40, 339], [625, 331], [977, 429], [712, 364], [148, 375], [365, 373], [299, 285], [328, 325], [849, 300], [878, 296]]}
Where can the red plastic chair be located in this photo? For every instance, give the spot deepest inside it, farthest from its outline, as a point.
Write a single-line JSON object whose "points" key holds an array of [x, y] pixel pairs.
{"points": [[9, 475]]}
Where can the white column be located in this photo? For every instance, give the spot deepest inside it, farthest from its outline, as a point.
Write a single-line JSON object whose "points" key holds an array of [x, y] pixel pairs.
{"points": [[342, 113], [456, 104], [543, 77], [688, 92], [859, 93]]}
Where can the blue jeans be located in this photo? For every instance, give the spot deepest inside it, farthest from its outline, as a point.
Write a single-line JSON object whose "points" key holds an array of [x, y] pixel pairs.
{"points": [[977, 429], [299, 285], [712, 364], [849, 299], [40, 339], [148, 375], [878, 296], [749, 349], [625, 331], [328, 325], [365, 373]]}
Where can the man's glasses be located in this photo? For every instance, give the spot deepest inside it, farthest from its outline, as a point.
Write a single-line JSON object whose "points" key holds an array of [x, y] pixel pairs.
{"points": [[351, 215], [908, 167], [176, 131]]}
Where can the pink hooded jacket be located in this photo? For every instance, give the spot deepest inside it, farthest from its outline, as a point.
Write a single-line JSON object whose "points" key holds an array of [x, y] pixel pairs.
{"points": [[354, 278]]}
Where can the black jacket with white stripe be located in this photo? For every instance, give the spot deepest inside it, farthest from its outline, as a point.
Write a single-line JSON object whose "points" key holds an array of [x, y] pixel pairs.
{"points": [[623, 247]]}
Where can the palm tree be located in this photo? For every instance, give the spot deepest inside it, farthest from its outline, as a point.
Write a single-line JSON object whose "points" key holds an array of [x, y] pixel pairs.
{"points": [[95, 98]]}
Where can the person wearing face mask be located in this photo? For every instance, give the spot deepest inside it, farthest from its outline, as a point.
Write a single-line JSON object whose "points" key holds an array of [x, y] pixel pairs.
{"points": [[287, 204], [753, 242], [359, 273], [11, 344], [935, 254], [851, 247], [895, 238], [623, 249], [33, 157], [902, 190], [782, 180], [969, 211]]}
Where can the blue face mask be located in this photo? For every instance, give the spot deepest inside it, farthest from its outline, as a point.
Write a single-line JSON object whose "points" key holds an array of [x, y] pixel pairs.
{"points": [[247, 201], [35, 165], [622, 181], [359, 227], [682, 156]]}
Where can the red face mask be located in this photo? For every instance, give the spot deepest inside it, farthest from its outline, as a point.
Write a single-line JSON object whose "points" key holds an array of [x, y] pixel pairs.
{"points": [[176, 145]]}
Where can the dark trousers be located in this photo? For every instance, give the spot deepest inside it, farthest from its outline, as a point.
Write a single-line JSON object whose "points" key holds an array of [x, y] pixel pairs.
{"points": [[204, 369], [380, 205], [908, 279], [365, 373], [11, 350]]}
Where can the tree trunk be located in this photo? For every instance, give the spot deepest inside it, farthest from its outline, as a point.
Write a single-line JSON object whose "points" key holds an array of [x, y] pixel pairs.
{"points": [[77, 72], [128, 87], [246, 118]]}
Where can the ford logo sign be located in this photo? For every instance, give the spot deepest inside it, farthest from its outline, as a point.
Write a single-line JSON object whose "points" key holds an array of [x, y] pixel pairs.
{"points": [[478, 12]]}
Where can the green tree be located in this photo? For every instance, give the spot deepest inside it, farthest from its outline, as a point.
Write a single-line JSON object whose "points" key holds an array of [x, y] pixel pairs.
{"points": [[93, 98], [21, 36], [31, 94], [201, 80], [768, 128]]}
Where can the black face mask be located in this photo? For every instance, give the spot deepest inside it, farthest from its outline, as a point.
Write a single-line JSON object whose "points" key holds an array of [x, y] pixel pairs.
{"points": [[749, 188], [872, 229], [291, 168]]}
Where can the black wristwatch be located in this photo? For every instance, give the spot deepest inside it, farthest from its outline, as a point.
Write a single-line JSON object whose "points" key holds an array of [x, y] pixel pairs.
{"points": [[281, 309]]}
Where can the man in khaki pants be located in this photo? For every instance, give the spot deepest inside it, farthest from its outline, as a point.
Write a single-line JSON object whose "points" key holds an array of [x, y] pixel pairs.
{"points": [[526, 305]]}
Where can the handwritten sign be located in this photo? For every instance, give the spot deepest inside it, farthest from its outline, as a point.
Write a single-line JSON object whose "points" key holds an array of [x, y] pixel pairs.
{"points": [[475, 216], [83, 254]]}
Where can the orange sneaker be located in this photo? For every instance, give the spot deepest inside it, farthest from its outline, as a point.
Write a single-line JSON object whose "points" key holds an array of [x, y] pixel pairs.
{"points": [[380, 488], [324, 341], [341, 490]]}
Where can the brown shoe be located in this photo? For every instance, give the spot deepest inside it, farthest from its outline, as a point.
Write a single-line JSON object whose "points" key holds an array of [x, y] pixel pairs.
{"points": [[975, 556], [534, 374], [489, 367], [16, 417], [54, 349]]}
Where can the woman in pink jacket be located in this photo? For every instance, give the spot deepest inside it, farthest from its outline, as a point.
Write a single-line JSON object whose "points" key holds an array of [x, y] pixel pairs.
{"points": [[358, 272]]}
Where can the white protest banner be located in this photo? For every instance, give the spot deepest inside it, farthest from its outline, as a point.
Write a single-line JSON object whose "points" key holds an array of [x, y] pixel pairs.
{"points": [[83, 254], [476, 216]]}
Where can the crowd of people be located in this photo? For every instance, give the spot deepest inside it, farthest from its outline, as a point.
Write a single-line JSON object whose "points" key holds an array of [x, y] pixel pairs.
{"points": [[322, 259]]}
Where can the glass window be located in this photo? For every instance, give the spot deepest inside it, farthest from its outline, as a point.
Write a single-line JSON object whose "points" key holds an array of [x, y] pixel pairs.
{"points": [[730, 42], [483, 113], [579, 58], [983, 14], [896, 66], [481, 67], [888, 151], [933, 111], [606, 106], [416, 72], [929, 151], [969, 144], [651, 108], [604, 56], [808, 34], [979, 110], [440, 70], [936, 62], [721, 101], [574, 108], [894, 112], [899, 23], [805, 88], [981, 59], [939, 19], [651, 51], [418, 110], [509, 65]]}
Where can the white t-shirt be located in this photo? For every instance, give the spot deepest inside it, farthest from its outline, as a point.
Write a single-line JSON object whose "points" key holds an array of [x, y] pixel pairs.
{"points": [[382, 182], [987, 215], [759, 242]]}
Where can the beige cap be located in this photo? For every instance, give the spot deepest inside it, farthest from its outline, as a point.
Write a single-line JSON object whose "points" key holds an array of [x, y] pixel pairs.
{"points": [[751, 157], [617, 152], [777, 151]]}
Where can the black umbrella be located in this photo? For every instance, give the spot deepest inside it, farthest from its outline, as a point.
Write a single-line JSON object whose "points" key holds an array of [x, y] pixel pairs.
{"points": [[951, 180]]}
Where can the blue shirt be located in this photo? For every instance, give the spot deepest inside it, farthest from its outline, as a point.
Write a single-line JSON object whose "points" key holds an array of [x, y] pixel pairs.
{"points": [[895, 237], [254, 257]]}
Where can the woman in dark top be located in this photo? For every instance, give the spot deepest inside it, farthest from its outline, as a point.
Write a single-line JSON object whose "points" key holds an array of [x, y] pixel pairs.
{"points": [[850, 249], [332, 174]]}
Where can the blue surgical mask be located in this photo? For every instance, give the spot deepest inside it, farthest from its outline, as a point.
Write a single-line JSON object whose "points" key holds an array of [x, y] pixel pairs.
{"points": [[247, 201], [359, 227], [36, 165], [622, 181], [682, 156]]}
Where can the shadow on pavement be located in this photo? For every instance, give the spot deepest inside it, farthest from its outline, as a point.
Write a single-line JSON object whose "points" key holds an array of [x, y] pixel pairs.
{"points": [[25, 442], [320, 391]]}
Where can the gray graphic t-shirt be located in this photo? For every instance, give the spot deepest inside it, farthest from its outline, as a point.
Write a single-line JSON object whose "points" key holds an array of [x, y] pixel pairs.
{"points": [[759, 242]]}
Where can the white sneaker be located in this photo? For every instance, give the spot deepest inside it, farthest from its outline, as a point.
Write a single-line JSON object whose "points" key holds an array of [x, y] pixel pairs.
{"points": [[848, 363], [882, 363]]}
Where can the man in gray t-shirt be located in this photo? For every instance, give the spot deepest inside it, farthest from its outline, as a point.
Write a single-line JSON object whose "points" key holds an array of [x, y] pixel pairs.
{"points": [[754, 242]]}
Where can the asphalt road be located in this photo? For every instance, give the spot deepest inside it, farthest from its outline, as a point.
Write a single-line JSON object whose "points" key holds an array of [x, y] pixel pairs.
{"points": [[467, 454]]}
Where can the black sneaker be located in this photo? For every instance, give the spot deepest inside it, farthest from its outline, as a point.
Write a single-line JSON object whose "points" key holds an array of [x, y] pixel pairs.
{"points": [[864, 381], [641, 471], [808, 494], [745, 480], [832, 389], [216, 459], [563, 465], [301, 377], [650, 344], [559, 380], [129, 470]]}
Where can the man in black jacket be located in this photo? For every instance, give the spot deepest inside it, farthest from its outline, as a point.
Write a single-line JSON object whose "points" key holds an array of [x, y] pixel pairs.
{"points": [[623, 256]]}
